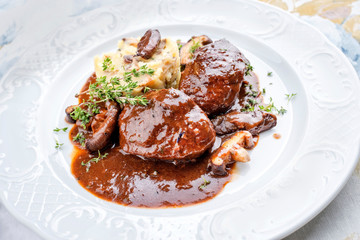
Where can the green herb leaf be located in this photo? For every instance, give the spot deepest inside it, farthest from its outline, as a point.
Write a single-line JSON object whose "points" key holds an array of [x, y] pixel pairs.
{"points": [[107, 64], [80, 138], [60, 129], [248, 70], [195, 46], [291, 96], [93, 160], [58, 145], [146, 89], [205, 183], [281, 111], [269, 74], [82, 115]]}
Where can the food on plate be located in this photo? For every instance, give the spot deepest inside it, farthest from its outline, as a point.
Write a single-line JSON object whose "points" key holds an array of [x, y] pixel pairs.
{"points": [[147, 134], [214, 76], [161, 56], [171, 127]]}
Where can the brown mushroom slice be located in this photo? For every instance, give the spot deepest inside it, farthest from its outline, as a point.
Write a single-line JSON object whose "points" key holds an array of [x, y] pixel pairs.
{"points": [[230, 151], [255, 122], [103, 126], [187, 51], [148, 43], [68, 111]]}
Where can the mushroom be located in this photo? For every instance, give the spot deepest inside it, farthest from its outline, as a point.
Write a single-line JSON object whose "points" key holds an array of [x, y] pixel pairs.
{"points": [[103, 126], [148, 43], [68, 111], [187, 51], [230, 151]]}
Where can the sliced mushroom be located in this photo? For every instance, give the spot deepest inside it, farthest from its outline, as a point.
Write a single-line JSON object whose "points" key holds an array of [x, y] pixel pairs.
{"points": [[68, 111], [230, 151], [187, 51], [103, 126], [255, 122], [148, 43]]}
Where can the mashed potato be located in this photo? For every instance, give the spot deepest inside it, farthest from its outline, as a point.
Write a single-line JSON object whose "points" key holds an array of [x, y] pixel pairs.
{"points": [[165, 64]]}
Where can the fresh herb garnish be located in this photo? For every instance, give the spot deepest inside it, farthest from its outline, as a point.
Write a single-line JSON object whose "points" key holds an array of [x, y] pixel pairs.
{"points": [[248, 108], [93, 160], [252, 101], [263, 91], [93, 108], [269, 74], [195, 46], [146, 89], [178, 42], [112, 89], [281, 111], [289, 97], [80, 138], [58, 145], [60, 129], [82, 115], [107, 64], [205, 183], [248, 70]]}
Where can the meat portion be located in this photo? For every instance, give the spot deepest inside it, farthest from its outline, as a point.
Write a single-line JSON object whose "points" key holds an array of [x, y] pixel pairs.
{"points": [[254, 122], [103, 126], [230, 151], [170, 128], [214, 77], [148, 43], [187, 51]]}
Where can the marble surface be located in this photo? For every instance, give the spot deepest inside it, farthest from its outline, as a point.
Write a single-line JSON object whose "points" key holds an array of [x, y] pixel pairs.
{"points": [[338, 20]]}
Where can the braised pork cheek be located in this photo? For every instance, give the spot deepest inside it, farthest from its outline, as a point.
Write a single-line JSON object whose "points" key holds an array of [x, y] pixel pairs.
{"points": [[171, 128], [214, 77]]}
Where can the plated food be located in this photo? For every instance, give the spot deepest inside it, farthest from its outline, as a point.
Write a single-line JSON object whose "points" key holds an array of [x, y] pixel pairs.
{"points": [[160, 123]]}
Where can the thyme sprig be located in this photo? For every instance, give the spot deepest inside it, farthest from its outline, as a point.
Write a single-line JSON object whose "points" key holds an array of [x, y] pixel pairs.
{"points": [[248, 69], [93, 160], [290, 97], [204, 184], [107, 64], [194, 46], [58, 145], [104, 89], [80, 138], [60, 129]]}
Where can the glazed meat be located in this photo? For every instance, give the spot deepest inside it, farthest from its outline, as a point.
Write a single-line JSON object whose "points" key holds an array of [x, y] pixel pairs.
{"points": [[170, 128], [214, 77]]}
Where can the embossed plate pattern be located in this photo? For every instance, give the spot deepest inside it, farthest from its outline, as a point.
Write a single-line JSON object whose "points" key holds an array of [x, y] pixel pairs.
{"points": [[288, 181]]}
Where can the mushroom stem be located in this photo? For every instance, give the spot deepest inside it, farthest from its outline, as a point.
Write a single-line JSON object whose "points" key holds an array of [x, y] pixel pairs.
{"points": [[230, 151]]}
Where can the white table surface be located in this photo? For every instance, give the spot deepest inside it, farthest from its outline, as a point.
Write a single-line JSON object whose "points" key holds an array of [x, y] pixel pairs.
{"points": [[24, 22]]}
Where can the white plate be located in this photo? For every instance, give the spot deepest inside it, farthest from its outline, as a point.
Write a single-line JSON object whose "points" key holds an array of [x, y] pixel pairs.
{"points": [[287, 182]]}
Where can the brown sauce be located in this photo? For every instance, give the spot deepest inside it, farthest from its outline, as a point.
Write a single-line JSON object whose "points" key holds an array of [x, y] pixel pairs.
{"points": [[276, 135], [132, 181]]}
